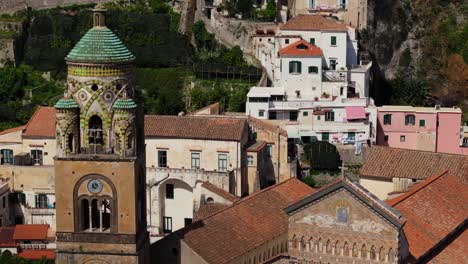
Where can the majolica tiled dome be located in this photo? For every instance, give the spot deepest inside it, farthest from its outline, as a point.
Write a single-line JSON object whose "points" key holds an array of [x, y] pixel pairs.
{"points": [[66, 103], [100, 45], [124, 104]]}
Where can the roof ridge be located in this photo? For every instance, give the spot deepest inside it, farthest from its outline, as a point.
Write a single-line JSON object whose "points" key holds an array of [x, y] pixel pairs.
{"points": [[418, 150], [416, 188]]}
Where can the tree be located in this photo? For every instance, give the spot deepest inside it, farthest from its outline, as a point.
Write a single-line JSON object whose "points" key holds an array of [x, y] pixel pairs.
{"points": [[409, 91], [203, 39], [234, 56]]}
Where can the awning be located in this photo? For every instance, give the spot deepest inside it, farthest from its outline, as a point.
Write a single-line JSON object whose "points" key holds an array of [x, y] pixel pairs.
{"points": [[355, 112]]}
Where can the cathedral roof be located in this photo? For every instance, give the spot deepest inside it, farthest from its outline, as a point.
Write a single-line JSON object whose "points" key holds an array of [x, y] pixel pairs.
{"points": [[100, 45], [65, 103]]}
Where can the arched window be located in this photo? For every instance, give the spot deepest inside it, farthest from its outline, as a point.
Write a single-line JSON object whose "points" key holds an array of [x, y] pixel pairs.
{"points": [[346, 249], [255, 260], [337, 248], [117, 142], [95, 130], [294, 242], [373, 254], [391, 255], [311, 244], [363, 252], [94, 214], [382, 254], [303, 243], [130, 141], [84, 215], [355, 251], [328, 247], [106, 214]]}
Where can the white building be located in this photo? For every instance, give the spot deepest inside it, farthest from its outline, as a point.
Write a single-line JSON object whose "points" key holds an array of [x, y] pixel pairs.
{"points": [[318, 88]]}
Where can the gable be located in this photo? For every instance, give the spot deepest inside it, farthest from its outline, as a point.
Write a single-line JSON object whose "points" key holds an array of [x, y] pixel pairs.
{"points": [[344, 211]]}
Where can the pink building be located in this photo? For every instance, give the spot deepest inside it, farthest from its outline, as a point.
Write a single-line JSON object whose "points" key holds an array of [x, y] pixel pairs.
{"points": [[422, 128]]}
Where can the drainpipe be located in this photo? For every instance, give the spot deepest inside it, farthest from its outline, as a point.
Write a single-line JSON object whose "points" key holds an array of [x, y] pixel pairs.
{"points": [[237, 168], [279, 153]]}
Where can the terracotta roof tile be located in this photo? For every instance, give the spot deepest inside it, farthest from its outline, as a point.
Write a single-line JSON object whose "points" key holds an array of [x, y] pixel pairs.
{"points": [[195, 127], [433, 209], [256, 146], [208, 210], [455, 252], [6, 237], [212, 188], [31, 232], [245, 225], [313, 23], [11, 130], [385, 162], [41, 124], [301, 48], [38, 254]]}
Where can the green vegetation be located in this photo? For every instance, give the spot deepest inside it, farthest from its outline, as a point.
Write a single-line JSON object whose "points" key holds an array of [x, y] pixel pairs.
{"points": [[16, 84], [322, 155], [409, 91], [247, 10]]}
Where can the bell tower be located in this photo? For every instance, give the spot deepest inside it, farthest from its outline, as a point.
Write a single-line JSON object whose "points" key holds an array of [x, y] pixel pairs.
{"points": [[99, 167]]}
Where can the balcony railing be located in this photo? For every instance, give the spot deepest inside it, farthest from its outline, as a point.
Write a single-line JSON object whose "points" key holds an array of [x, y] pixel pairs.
{"points": [[327, 8], [334, 76]]}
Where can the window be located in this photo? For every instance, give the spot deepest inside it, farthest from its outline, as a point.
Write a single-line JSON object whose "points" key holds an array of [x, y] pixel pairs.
{"points": [[286, 41], [222, 161], [187, 221], [333, 64], [95, 132], [269, 150], [41, 201], [333, 40], [272, 115], [167, 224], [325, 136], [169, 191], [402, 138], [258, 99], [36, 156], [330, 116], [305, 113], [277, 98], [343, 3], [318, 117], [162, 158], [385, 138], [6, 156], [293, 115], [250, 160], [409, 120], [261, 113], [387, 119], [311, 4], [422, 123], [313, 69], [295, 67], [312, 41], [352, 135], [195, 160]]}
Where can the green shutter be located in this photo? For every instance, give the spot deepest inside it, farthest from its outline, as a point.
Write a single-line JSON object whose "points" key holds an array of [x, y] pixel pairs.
{"points": [[291, 64], [299, 67], [332, 116], [312, 41], [333, 41], [422, 123], [23, 198]]}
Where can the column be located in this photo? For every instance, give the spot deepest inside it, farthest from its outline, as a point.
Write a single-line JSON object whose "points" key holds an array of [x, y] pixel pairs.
{"points": [[90, 216], [101, 209]]}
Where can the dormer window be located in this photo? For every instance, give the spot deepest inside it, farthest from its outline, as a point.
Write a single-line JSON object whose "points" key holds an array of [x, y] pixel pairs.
{"points": [[301, 46]]}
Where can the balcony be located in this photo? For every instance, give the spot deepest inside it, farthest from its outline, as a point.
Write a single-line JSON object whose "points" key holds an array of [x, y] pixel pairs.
{"points": [[42, 211], [335, 76], [341, 127]]}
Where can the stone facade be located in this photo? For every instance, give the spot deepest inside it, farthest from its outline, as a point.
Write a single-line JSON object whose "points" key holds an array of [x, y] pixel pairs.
{"points": [[341, 227]]}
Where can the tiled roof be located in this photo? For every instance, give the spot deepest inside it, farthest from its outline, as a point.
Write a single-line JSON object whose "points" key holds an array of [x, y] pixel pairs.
{"points": [[301, 48], [195, 127], [11, 130], [256, 146], [433, 209], [264, 124], [455, 252], [31, 232], [66, 103], [245, 225], [313, 23], [385, 162], [41, 124], [124, 104], [209, 209], [100, 45], [212, 188], [37, 254], [6, 237]]}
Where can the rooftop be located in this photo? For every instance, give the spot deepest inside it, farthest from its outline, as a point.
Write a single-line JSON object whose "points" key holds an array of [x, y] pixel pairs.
{"points": [[388, 163], [194, 127], [256, 146], [301, 48], [265, 91], [41, 124], [100, 45], [433, 209], [208, 210], [244, 226], [406, 108], [6, 237], [11, 130], [226, 195], [313, 23], [31, 232], [37, 254]]}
